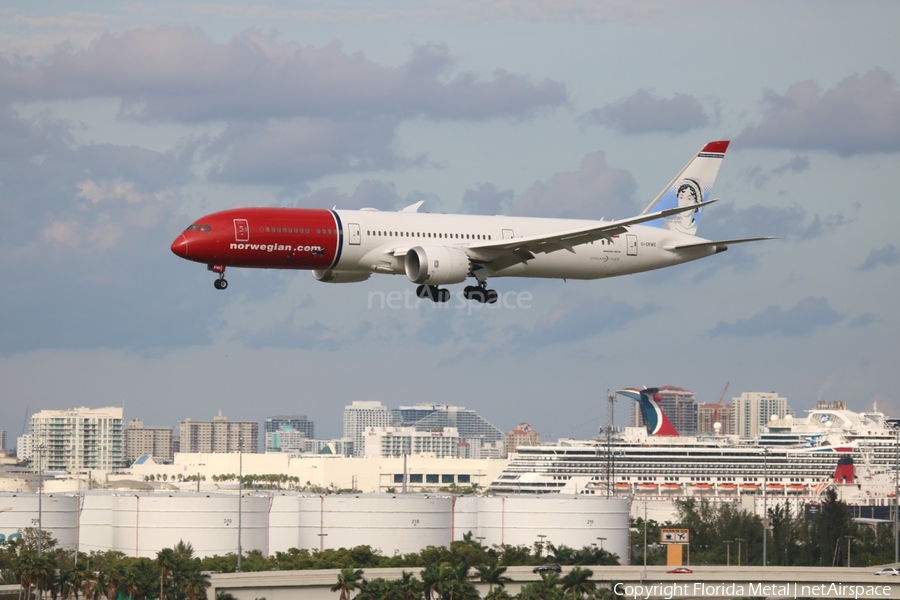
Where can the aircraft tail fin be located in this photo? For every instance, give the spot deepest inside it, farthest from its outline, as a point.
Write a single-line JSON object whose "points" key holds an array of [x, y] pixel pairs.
{"points": [[654, 418], [691, 186]]}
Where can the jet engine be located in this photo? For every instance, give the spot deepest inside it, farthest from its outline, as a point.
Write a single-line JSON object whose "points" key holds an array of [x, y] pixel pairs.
{"points": [[329, 276], [436, 265]]}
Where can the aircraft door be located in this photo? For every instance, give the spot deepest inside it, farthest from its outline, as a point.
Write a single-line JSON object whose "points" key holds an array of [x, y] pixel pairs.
{"points": [[631, 242], [355, 236], [508, 234], [241, 230]]}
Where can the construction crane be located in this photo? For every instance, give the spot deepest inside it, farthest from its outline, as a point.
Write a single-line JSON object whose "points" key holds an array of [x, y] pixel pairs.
{"points": [[715, 417]]}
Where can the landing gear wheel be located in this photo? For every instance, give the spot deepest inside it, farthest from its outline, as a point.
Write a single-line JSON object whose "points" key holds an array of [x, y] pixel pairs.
{"points": [[443, 295], [220, 284], [492, 296], [422, 292]]}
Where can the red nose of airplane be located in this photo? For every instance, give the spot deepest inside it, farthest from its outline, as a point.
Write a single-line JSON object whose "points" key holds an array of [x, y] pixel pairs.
{"points": [[180, 246]]}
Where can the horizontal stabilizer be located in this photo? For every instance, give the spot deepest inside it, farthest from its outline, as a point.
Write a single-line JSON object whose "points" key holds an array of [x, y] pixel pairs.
{"points": [[721, 243]]}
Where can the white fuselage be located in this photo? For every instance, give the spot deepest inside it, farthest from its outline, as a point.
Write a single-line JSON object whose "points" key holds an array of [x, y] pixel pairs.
{"points": [[384, 237]]}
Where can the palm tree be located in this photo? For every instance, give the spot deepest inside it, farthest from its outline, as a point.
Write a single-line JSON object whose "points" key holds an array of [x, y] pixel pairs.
{"points": [[410, 586], [195, 584], [492, 574], [167, 561], [347, 582], [578, 581]]}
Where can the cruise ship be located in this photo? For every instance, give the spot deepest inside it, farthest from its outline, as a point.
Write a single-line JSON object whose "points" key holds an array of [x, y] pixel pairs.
{"points": [[793, 458]]}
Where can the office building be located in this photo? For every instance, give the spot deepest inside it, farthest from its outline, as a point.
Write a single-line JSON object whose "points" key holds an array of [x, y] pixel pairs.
{"points": [[219, 435], [147, 441], [484, 438], [359, 417], [298, 423], [78, 439]]}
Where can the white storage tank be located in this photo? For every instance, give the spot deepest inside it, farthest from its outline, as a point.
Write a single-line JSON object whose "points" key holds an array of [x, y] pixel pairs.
{"points": [[145, 524], [284, 523], [58, 515], [575, 521], [95, 531], [465, 517], [390, 523]]}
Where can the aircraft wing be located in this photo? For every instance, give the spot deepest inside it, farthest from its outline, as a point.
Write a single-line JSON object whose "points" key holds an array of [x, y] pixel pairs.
{"points": [[504, 253]]}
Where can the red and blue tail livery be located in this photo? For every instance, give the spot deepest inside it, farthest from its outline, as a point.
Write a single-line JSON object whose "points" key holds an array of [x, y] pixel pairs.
{"points": [[655, 419]]}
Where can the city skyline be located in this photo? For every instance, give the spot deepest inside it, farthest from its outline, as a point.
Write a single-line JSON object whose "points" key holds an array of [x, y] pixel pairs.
{"points": [[124, 123]]}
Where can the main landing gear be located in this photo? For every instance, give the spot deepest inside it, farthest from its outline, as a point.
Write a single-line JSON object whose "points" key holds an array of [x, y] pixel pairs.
{"points": [[478, 293], [221, 283], [433, 293]]}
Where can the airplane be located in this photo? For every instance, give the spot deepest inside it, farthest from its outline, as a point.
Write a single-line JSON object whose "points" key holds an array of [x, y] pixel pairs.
{"points": [[433, 250]]}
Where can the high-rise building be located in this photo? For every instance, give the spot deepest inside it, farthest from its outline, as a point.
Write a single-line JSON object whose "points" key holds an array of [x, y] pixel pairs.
{"points": [[2, 440], [285, 439], [472, 427], [752, 410], [219, 435], [298, 423], [78, 438], [358, 417], [147, 441], [522, 435], [395, 442], [710, 414], [679, 405], [23, 447]]}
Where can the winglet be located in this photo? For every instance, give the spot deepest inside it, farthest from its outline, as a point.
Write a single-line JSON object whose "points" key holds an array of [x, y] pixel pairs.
{"points": [[412, 207], [654, 418]]}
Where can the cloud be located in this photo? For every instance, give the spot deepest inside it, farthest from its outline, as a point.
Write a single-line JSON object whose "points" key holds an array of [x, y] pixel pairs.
{"points": [[574, 319], [759, 178], [594, 191], [861, 114], [805, 317], [778, 221], [185, 76], [643, 112], [297, 150], [369, 193], [486, 199], [886, 256]]}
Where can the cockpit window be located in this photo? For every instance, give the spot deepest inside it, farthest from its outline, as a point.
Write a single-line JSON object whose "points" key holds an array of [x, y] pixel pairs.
{"points": [[199, 227]]}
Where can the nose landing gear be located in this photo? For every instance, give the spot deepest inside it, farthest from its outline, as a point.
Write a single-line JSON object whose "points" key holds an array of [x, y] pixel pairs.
{"points": [[221, 283]]}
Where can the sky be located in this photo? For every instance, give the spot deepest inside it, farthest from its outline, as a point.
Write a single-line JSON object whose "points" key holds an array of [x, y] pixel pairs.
{"points": [[121, 123]]}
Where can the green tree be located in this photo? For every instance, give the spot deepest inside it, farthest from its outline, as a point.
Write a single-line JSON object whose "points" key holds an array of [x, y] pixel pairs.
{"points": [[348, 581], [578, 582], [492, 574]]}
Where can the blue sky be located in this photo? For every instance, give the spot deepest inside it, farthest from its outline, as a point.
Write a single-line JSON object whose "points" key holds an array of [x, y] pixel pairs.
{"points": [[121, 124]]}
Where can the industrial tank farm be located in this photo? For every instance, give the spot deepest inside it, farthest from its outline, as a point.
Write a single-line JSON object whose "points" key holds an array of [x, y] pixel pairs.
{"points": [[142, 524]]}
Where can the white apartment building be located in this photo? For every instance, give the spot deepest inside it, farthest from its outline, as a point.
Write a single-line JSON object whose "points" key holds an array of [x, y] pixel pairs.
{"points": [[752, 410], [77, 439], [359, 417], [23, 447], [395, 442]]}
